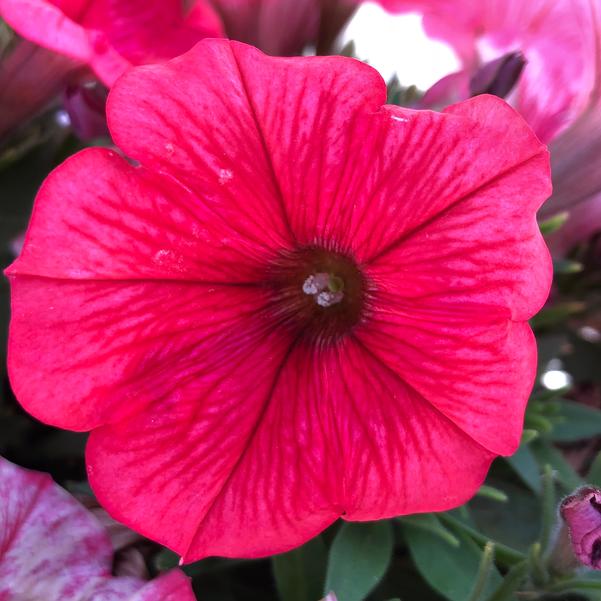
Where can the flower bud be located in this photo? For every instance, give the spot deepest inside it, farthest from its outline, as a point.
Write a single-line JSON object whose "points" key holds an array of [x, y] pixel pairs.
{"points": [[86, 107], [499, 76], [582, 514]]}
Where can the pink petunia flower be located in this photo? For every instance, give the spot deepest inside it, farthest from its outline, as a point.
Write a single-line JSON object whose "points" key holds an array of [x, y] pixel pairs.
{"points": [[582, 514], [284, 27], [51, 547], [112, 35], [557, 38], [302, 304], [559, 92]]}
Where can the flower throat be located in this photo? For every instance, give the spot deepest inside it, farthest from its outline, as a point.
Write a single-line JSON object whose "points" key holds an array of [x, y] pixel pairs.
{"points": [[318, 293]]}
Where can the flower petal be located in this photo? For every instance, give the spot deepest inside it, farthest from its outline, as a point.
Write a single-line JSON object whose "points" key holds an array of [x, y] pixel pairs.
{"points": [[339, 434], [383, 172], [474, 365], [481, 247], [135, 225], [552, 90], [247, 126], [179, 453], [122, 344], [144, 31], [50, 546], [46, 24], [279, 28]]}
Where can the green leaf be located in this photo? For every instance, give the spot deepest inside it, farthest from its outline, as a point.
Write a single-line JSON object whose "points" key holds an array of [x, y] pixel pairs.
{"points": [[451, 571], [511, 583], [548, 226], [545, 452], [578, 422], [358, 559], [431, 523], [594, 474], [515, 523], [556, 314], [505, 555], [525, 466], [490, 492], [300, 574]]}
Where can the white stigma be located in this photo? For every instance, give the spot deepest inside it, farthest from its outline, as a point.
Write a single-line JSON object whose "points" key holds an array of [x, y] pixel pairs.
{"points": [[325, 289]]}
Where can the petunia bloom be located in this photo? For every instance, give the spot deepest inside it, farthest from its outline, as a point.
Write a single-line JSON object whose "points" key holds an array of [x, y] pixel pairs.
{"points": [[582, 514], [51, 547], [557, 38], [559, 92], [112, 35], [299, 304]]}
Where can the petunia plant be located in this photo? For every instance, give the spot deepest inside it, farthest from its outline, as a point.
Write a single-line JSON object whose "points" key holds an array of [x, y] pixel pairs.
{"points": [[291, 332]]}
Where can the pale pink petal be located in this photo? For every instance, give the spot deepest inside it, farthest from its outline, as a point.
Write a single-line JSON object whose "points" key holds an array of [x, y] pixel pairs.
{"points": [[557, 38], [50, 546]]}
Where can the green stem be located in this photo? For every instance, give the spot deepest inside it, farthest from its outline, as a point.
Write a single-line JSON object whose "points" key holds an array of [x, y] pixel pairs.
{"points": [[505, 555], [486, 564], [512, 581]]}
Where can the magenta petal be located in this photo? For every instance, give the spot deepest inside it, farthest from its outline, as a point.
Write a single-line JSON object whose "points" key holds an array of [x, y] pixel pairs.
{"points": [[339, 434], [473, 364], [475, 219], [164, 230], [181, 451], [110, 35], [30, 78], [114, 353], [277, 27], [45, 24]]}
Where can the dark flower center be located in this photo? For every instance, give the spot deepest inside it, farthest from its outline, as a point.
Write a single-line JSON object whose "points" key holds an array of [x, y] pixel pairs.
{"points": [[318, 294]]}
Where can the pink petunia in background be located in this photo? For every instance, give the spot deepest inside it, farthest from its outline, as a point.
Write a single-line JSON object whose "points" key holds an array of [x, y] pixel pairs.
{"points": [[301, 304], [110, 36], [68, 41], [52, 548], [558, 93]]}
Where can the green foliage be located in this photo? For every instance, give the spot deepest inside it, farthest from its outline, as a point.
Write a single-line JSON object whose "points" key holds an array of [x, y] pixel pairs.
{"points": [[300, 574], [358, 559], [450, 570]]}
